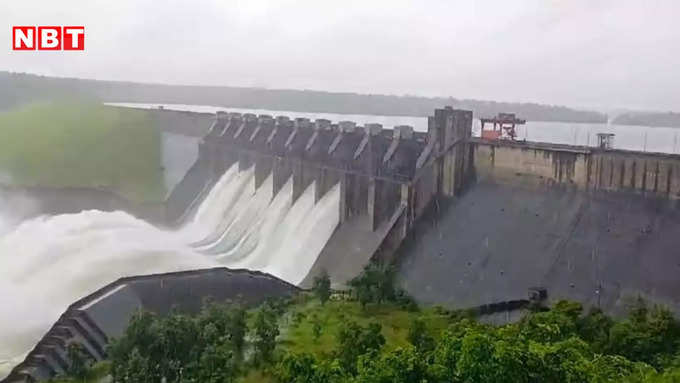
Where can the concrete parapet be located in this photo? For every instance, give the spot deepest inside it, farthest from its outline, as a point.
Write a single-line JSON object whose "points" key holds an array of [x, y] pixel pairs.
{"points": [[539, 164]]}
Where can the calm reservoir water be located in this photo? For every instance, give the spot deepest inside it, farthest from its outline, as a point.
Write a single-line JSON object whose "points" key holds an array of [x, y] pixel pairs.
{"points": [[642, 138]]}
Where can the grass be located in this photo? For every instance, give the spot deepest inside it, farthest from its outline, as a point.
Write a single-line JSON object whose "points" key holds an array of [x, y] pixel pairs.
{"points": [[297, 327], [299, 337], [75, 144]]}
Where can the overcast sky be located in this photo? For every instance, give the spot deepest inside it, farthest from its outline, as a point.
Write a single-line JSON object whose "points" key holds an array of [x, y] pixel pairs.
{"points": [[584, 53]]}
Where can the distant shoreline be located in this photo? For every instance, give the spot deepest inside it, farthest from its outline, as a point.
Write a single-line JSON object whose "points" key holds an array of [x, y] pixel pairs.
{"points": [[21, 88]]}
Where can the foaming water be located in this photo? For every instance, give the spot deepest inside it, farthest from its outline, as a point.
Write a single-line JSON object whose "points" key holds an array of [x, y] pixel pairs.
{"points": [[49, 262]]}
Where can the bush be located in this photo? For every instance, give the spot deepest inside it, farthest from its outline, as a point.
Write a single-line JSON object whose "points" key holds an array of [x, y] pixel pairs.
{"points": [[322, 287]]}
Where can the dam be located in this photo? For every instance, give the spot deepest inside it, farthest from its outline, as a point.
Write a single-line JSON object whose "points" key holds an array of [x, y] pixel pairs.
{"points": [[468, 222]]}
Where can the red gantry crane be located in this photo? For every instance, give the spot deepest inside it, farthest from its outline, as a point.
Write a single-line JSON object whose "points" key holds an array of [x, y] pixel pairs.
{"points": [[503, 126]]}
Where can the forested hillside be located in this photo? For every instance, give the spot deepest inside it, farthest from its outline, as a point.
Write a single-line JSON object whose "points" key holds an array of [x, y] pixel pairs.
{"points": [[19, 88], [668, 119]]}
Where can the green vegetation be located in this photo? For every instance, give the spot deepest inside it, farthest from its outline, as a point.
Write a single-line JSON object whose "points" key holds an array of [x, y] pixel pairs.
{"points": [[322, 287], [347, 341], [94, 374], [72, 144]]}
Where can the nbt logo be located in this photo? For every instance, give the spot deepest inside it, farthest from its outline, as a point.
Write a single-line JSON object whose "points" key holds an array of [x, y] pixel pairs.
{"points": [[29, 38]]}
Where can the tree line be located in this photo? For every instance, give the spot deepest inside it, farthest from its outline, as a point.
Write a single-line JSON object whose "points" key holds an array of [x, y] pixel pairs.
{"points": [[21, 88]]}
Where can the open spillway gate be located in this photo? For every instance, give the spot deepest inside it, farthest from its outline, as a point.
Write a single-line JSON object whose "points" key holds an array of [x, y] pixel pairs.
{"points": [[389, 178], [386, 177]]}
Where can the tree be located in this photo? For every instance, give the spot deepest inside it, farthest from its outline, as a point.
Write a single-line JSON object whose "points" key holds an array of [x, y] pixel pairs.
{"points": [[474, 363], [615, 368], [322, 287], [223, 321], [403, 365], [374, 285], [419, 337], [305, 368], [549, 326], [266, 331], [295, 368], [237, 327], [563, 361], [178, 347], [137, 369], [355, 340], [218, 364], [594, 328], [650, 336]]}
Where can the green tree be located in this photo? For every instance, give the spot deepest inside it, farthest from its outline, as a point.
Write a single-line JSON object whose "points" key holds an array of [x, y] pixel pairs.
{"points": [[374, 285], [615, 368], [447, 350], [322, 287], [549, 326], [305, 368], [403, 365], [419, 337], [128, 363], [563, 361], [594, 328], [355, 340], [218, 364], [137, 369], [266, 331], [650, 336], [483, 358], [294, 368], [223, 321]]}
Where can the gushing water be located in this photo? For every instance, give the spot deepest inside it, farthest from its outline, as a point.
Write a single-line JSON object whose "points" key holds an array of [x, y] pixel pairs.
{"points": [[48, 262]]}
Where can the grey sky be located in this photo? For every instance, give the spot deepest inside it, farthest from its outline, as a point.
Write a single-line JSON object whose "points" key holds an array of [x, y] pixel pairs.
{"points": [[587, 53]]}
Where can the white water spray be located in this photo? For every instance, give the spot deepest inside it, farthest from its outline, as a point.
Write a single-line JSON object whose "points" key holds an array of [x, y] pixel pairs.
{"points": [[47, 263]]}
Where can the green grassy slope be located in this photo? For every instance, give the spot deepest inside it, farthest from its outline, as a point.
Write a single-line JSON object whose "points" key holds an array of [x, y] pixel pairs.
{"points": [[297, 324], [298, 336], [73, 144]]}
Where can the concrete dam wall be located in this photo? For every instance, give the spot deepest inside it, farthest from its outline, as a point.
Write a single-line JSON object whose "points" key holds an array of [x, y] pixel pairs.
{"points": [[386, 178], [593, 225], [472, 221]]}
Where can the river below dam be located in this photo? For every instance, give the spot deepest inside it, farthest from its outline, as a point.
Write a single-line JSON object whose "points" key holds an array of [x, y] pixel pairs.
{"points": [[49, 262], [629, 137]]}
